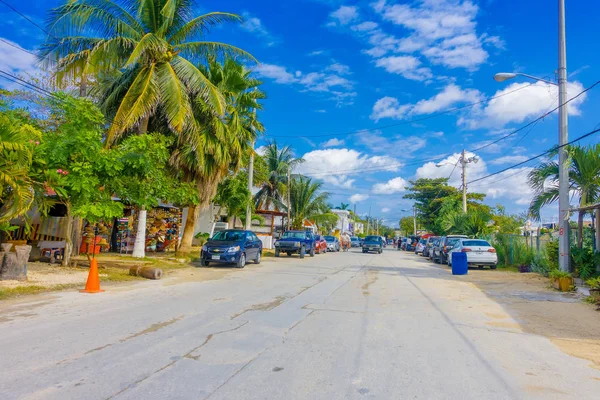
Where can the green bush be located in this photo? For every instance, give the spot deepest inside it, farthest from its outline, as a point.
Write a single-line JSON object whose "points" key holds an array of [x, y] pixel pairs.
{"points": [[552, 254], [584, 261], [557, 274], [593, 283], [540, 264]]}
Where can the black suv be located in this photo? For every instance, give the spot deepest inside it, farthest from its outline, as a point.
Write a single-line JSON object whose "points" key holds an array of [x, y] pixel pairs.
{"points": [[443, 246]]}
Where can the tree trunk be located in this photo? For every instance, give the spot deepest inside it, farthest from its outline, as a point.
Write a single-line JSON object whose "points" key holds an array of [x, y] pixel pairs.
{"points": [[143, 127], [234, 221], [185, 247], [139, 246], [580, 229], [77, 235], [68, 241]]}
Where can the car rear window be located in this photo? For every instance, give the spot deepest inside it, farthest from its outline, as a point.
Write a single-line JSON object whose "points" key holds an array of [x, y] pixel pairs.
{"points": [[372, 238], [330, 238], [476, 243], [423, 241]]}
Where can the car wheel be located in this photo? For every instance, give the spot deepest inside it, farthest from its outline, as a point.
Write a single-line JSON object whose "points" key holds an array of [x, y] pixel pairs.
{"points": [[203, 262], [312, 251], [242, 261], [276, 252], [258, 257], [493, 266], [302, 252], [289, 253]]}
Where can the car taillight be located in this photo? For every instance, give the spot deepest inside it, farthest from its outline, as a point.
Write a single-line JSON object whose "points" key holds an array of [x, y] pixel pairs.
{"points": [[491, 250], [466, 250]]}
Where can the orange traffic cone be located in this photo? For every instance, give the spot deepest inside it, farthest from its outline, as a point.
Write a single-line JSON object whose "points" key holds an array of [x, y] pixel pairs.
{"points": [[93, 281]]}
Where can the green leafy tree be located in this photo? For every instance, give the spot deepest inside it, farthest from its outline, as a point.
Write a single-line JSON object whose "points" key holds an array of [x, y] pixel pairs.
{"points": [[505, 223], [343, 206], [273, 189], [215, 145], [584, 179], [233, 194], [407, 225], [429, 196], [78, 163], [144, 53]]}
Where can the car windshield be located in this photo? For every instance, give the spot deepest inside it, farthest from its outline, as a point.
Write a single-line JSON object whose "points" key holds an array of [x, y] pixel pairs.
{"points": [[317, 237], [229, 236], [422, 241], [475, 243], [294, 235], [372, 238], [330, 238], [354, 239]]}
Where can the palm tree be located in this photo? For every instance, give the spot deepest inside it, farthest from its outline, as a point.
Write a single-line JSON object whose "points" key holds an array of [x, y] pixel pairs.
{"points": [[584, 179], [214, 145], [272, 191], [343, 206], [144, 51], [306, 201]]}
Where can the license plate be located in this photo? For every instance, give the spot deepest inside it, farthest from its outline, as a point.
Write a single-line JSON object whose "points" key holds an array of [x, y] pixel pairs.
{"points": [[216, 257]]}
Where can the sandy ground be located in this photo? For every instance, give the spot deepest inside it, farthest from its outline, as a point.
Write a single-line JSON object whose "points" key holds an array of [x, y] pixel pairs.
{"points": [[46, 274], [571, 324]]}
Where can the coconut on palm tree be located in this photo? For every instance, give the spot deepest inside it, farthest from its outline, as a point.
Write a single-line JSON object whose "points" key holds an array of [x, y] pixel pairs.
{"points": [[584, 180], [145, 52], [214, 144], [279, 161]]}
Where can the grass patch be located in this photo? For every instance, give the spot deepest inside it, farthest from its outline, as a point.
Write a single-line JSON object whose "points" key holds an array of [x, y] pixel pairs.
{"points": [[510, 268], [268, 253], [116, 275], [9, 293]]}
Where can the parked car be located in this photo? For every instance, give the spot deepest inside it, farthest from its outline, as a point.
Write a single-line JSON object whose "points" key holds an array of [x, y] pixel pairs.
{"points": [[440, 251], [320, 245], [373, 243], [420, 246], [427, 251], [479, 252], [411, 243], [232, 246], [355, 241], [402, 244], [333, 243], [296, 242]]}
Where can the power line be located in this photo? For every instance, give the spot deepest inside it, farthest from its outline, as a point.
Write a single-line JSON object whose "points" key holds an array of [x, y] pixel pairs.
{"points": [[538, 156], [23, 82], [26, 17], [17, 47], [435, 115], [537, 119]]}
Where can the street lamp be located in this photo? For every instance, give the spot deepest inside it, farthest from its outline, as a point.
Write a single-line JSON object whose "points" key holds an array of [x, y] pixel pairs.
{"points": [[414, 210], [563, 137]]}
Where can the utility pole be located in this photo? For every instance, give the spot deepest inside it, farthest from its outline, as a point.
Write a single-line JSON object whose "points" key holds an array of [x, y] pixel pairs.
{"points": [[369, 221], [288, 198], [463, 161], [415, 219], [250, 185], [563, 139]]}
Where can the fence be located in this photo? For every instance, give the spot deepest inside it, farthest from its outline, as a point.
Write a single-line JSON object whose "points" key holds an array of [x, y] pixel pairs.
{"points": [[517, 249]]}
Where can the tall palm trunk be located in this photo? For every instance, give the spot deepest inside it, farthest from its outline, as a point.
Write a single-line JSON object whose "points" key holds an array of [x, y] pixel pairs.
{"points": [[139, 246], [580, 229], [188, 230]]}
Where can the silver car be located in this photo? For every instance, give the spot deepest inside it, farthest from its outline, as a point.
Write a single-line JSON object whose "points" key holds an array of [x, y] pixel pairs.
{"points": [[333, 243]]}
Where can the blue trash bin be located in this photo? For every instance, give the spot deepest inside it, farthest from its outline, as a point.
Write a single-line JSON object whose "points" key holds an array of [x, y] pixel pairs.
{"points": [[459, 263]]}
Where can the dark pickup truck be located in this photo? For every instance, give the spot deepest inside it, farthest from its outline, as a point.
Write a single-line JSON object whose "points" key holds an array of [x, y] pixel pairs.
{"points": [[296, 242]]}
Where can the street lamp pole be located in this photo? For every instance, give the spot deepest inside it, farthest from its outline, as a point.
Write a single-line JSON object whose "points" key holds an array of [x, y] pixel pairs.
{"points": [[563, 139], [564, 249], [415, 219]]}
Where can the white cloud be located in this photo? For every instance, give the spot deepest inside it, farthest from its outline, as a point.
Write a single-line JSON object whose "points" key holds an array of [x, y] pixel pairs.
{"points": [[394, 145], [254, 25], [339, 68], [532, 100], [385, 210], [321, 111], [395, 185], [357, 198], [437, 134], [276, 72], [338, 88], [407, 66], [509, 185], [261, 150], [344, 15], [445, 30], [390, 107], [17, 62], [316, 53], [364, 26], [335, 142], [338, 166], [508, 160]]}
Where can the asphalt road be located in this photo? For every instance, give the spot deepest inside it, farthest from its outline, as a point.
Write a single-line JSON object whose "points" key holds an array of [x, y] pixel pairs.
{"points": [[337, 326]]}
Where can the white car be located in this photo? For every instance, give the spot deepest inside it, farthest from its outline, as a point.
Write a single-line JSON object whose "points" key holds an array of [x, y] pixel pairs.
{"points": [[420, 246], [479, 252]]}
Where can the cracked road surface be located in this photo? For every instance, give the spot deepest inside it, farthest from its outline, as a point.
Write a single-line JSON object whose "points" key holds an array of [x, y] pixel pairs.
{"points": [[337, 326]]}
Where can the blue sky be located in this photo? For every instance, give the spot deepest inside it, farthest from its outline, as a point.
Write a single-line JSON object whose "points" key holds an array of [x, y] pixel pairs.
{"points": [[335, 67]]}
